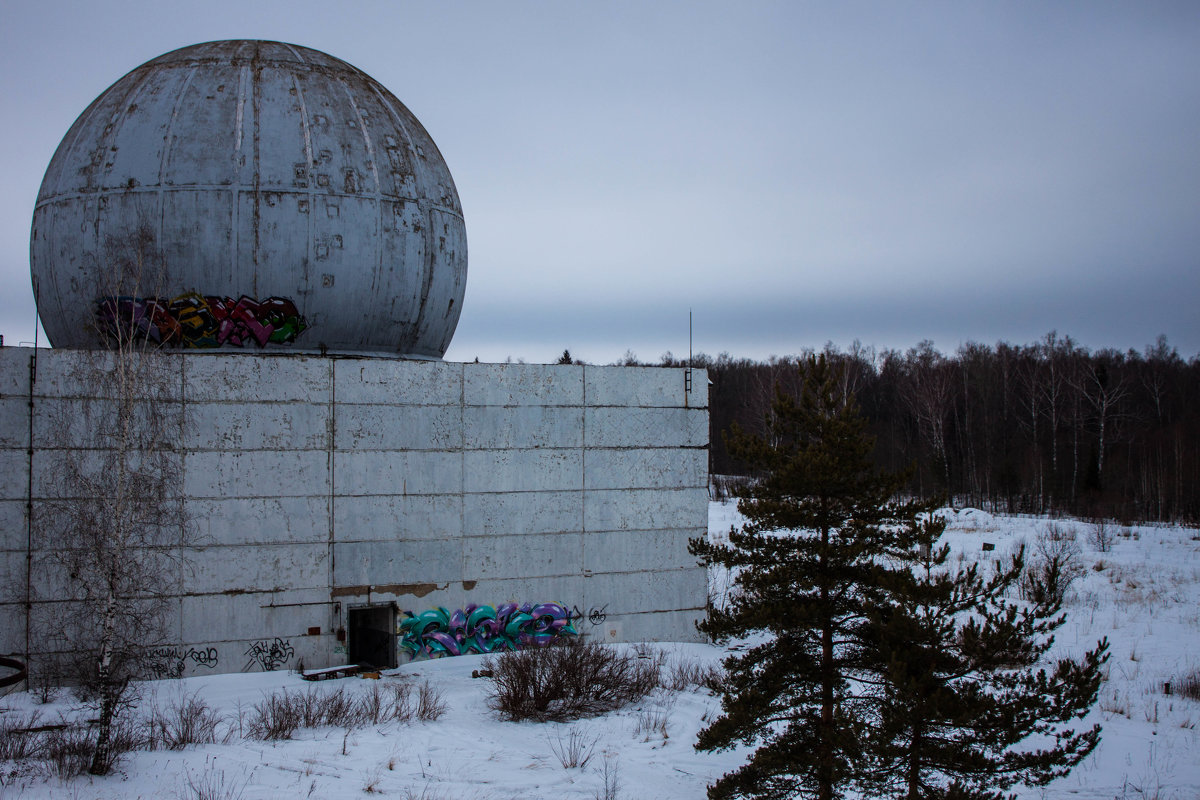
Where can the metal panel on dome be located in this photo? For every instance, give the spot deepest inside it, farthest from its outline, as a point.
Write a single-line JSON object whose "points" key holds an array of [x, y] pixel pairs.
{"points": [[261, 171]]}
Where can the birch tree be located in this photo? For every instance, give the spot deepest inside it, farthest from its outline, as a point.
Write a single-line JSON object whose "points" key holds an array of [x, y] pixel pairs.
{"points": [[114, 518]]}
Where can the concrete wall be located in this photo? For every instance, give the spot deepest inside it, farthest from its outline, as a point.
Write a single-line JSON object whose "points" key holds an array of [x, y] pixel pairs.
{"points": [[317, 484]]}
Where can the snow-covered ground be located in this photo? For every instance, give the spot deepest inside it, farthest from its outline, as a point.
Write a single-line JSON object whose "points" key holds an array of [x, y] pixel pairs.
{"points": [[1144, 594]]}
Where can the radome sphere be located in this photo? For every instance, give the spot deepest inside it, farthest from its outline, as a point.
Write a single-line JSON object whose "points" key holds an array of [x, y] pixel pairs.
{"points": [[270, 195]]}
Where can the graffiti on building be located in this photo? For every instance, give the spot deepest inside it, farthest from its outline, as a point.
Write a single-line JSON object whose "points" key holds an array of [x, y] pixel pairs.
{"points": [[484, 629], [194, 320], [269, 655], [169, 662], [596, 616]]}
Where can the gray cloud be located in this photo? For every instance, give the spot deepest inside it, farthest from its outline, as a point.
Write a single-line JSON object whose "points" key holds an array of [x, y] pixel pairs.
{"points": [[796, 173]]}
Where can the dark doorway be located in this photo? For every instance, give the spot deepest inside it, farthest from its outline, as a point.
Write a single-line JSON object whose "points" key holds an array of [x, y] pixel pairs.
{"points": [[373, 636]]}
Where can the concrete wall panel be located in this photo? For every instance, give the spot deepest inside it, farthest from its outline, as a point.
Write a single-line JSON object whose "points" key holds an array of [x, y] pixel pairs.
{"points": [[544, 512], [644, 509], [378, 427], [637, 592], [489, 557], [251, 378], [398, 472], [394, 517], [440, 484], [645, 427], [13, 530], [393, 382], [260, 520], [637, 551], [257, 426], [14, 371], [645, 469], [257, 568], [522, 385], [256, 473], [399, 562], [14, 421], [501, 427], [522, 470], [645, 387]]}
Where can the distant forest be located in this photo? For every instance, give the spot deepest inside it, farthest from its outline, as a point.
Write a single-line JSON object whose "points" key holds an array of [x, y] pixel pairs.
{"points": [[1049, 427]]}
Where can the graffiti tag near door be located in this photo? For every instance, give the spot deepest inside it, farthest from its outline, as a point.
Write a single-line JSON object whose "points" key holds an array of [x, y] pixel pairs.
{"points": [[484, 629], [269, 655]]}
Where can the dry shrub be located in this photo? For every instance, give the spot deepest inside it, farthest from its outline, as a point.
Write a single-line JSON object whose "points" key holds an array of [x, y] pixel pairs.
{"points": [[211, 784], [683, 673], [281, 714], [568, 681], [188, 720], [18, 739], [430, 705], [1054, 567], [1189, 685], [70, 750], [276, 717], [574, 750]]}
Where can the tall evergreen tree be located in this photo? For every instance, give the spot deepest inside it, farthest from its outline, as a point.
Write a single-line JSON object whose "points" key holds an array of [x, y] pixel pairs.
{"points": [[961, 681], [820, 519]]}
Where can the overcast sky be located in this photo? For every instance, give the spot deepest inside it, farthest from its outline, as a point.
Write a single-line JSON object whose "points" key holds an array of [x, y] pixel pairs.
{"points": [[795, 173]]}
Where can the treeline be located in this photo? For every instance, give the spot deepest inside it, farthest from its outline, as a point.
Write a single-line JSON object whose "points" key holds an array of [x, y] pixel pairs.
{"points": [[1049, 427]]}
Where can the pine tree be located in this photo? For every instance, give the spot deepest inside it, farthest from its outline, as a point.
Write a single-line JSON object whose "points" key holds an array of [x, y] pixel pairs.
{"points": [[820, 519], [962, 683]]}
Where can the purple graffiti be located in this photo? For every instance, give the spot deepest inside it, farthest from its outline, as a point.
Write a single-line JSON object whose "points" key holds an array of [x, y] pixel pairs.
{"points": [[193, 320], [484, 629]]}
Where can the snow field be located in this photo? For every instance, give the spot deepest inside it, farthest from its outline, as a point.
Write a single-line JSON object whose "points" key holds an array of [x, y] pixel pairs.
{"points": [[1143, 594]]}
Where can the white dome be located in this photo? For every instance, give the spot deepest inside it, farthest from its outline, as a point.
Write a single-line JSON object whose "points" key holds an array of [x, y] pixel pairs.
{"points": [[293, 200]]}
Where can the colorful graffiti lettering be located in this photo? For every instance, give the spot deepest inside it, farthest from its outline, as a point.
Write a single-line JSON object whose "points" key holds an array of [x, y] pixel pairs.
{"points": [[483, 629], [169, 662], [193, 320], [269, 655]]}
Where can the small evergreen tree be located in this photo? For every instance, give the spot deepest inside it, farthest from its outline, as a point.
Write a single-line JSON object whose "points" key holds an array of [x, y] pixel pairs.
{"points": [[961, 682], [820, 518]]}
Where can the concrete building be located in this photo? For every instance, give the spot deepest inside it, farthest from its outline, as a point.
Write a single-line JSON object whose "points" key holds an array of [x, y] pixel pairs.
{"points": [[342, 482], [332, 494]]}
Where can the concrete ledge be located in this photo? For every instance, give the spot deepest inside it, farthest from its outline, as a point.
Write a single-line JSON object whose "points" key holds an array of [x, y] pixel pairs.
{"points": [[645, 386], [248, 378], [396, 382], [645, 427], [522, 385]]}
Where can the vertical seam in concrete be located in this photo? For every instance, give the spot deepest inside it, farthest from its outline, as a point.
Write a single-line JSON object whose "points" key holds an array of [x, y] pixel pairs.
{"points": [[331, 445], [462, 473], [182, 472], [583, 448], [29, 516]]}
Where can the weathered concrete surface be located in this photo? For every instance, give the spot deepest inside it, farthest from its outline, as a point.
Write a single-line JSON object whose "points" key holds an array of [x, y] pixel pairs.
{"points": [[317, 484], [261, 170]]}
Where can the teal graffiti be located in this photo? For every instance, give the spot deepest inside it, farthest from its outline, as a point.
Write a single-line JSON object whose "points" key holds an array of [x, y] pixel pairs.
{"points": [[484, 629]]}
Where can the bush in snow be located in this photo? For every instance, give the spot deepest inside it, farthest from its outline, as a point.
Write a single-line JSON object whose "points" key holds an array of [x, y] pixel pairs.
{"points": [[568, 681]]}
